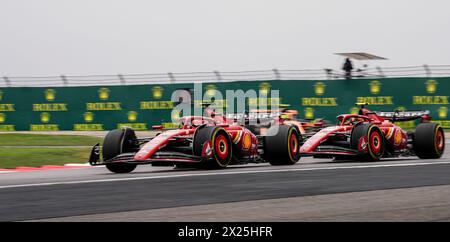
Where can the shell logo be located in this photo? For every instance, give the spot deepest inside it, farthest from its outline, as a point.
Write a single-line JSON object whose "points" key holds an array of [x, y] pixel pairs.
{"points": [[442, 112], [2, 118], [375, 87], [132, 116], [88, 117], [157, 92], [319, 88], [45, 117], [50, 94], [431, 86], [264, 88], [211, 90], [246, 141], [309, 113], [103, 93]]}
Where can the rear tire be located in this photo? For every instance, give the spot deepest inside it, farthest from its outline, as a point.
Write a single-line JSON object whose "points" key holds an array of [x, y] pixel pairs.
{"points": [[115, 143], [219, 143], [429, 141], [374, 142], [282, 145]]}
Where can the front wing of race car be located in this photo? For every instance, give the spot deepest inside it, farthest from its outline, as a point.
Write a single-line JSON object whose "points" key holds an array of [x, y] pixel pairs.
{"points": [[161, 157]]}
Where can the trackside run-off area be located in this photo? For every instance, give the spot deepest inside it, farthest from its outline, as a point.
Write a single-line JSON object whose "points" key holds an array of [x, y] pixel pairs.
{"points": [[399, 189]]}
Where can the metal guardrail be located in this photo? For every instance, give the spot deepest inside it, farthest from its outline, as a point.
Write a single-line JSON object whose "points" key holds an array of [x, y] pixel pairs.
{"points": [[216, 76]]}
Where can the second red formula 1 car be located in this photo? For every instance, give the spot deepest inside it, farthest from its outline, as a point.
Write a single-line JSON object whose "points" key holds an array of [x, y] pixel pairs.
{"points": [[374, 135], [207, 142]]}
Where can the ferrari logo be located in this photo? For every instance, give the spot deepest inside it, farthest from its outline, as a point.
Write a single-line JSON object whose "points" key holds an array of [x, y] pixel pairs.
{"points": [[375, 87], [1, 95], [132, 116], [50, 94], [2, 118], [264, 88], [319, 88], [103, 93], [88, 117], [211, 90], [45, 117], [431, 86], [157, 92], [443, 112], [309, 113], [354, 110]]}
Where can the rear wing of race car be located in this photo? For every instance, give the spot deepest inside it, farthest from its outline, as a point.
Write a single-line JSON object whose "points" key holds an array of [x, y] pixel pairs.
{"points": [[258, 117], [400, 116]]}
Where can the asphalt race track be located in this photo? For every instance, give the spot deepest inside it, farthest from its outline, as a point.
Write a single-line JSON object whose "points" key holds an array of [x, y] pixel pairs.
{"points": [[406, 189]]}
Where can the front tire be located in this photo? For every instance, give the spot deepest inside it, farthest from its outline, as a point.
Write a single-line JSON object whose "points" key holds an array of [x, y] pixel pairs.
{"points": [[214, 145], [429, 141], [369, 141], [282, 145], [116, 142]]}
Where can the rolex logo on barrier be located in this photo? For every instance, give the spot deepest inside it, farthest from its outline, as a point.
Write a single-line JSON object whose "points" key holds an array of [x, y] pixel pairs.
{"points": [[1, 95], [2, 118], [211, 90], [88, 117], [157, 92], [375, 87], [50, 94], [309, 113], [264, 88], [431, 86], [45, 117], [319, 88], [103, 93], [132, 116], [442, 112]]}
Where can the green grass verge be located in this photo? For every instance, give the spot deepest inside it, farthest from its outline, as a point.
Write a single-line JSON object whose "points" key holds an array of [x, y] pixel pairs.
{"points": [[14, 157], [47, 140]]}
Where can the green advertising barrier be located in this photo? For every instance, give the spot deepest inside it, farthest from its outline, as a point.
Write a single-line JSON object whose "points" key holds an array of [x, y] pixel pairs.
{"points": [[141, 106]]}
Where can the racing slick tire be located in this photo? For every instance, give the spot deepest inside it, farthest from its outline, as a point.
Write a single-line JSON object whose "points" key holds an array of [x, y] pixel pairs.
{"points": [[116, 142], [429, 141], [218, 142], [282, 145], [373, 139]]}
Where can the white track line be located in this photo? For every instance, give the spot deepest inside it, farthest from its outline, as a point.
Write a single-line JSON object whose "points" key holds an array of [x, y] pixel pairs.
{"points": [[221, 173]]}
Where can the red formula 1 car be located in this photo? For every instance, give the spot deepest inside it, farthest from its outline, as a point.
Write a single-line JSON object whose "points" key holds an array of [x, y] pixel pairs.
{"points": [[207, 142], [374, 135]]}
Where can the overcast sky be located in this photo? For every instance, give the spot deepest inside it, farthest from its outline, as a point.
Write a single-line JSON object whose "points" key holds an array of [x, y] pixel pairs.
{"points": [[77, 37]]}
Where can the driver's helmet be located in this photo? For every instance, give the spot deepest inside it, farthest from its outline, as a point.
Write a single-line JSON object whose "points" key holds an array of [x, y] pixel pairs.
{"points": [[197, 122], [289, 114]]}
